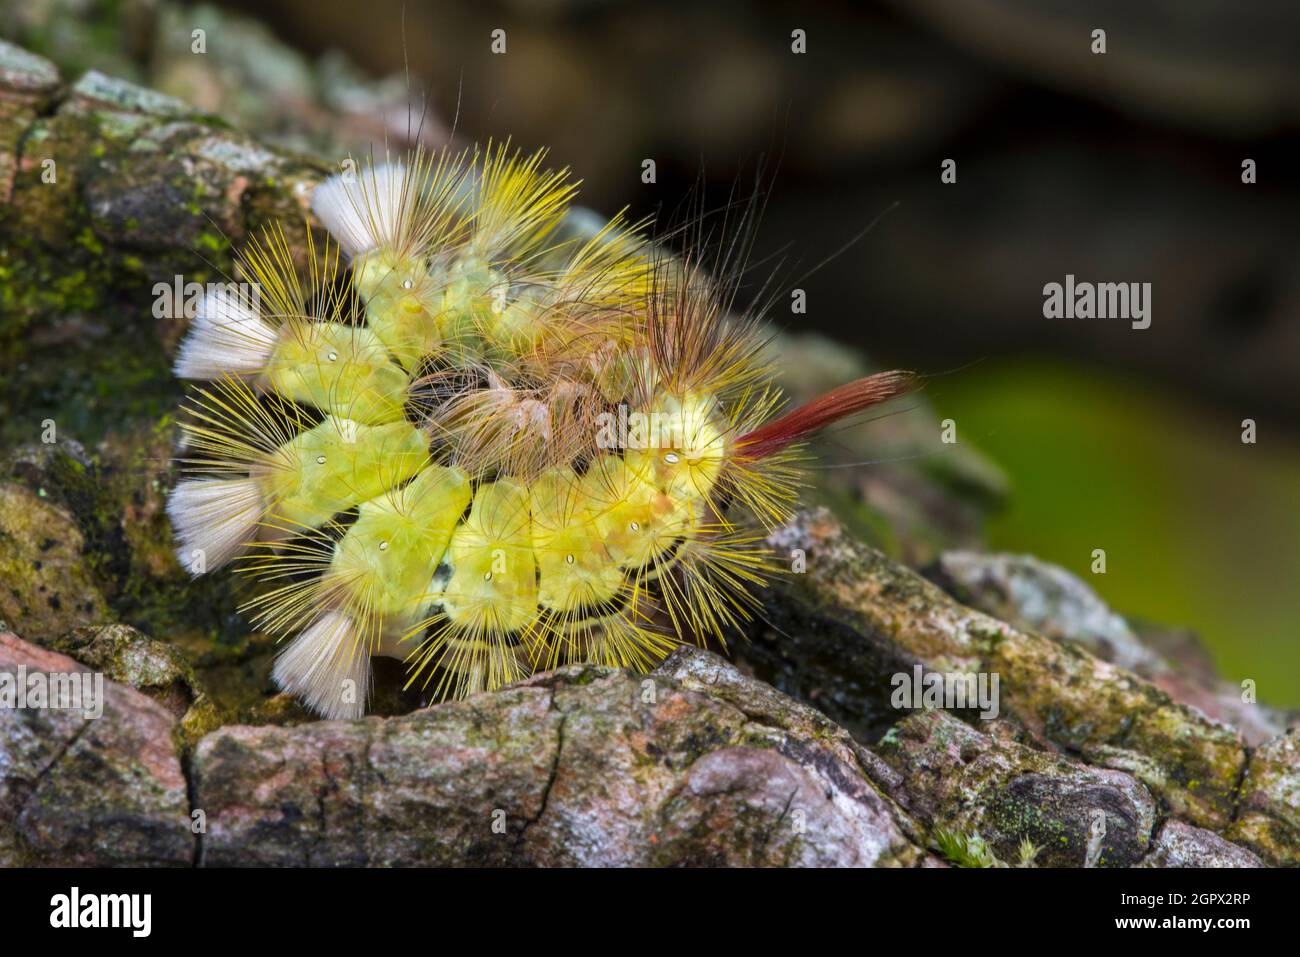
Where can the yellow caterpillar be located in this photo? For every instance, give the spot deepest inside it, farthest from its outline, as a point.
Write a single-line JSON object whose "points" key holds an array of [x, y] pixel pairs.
{"points": [[477, 442]]}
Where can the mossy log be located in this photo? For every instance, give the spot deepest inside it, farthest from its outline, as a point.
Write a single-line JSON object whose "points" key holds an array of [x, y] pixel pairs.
{"points": [[107, 190]]}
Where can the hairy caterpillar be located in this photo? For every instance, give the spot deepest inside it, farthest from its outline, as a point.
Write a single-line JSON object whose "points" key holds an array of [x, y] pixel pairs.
{"points": [[477, 442]]}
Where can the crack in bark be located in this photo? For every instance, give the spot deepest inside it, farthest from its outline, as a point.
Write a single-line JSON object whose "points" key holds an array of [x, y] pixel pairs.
{"points": [[766, 838], [363, 790], [44, 772], [191, 800], [21, 807], [552, 774], [1238, 799]]}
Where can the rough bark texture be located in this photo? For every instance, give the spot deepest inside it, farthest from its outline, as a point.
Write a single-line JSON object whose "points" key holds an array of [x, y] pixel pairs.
{"points": [[883, 618], [697, 763], [76, 790], [577, 767]]}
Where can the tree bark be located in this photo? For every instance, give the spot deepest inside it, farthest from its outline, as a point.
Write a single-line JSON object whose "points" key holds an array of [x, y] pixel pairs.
{"points": [[108, 189]]}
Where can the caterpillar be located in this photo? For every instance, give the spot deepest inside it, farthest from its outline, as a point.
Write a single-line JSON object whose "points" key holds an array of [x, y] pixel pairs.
{"points": [[461, 433]]}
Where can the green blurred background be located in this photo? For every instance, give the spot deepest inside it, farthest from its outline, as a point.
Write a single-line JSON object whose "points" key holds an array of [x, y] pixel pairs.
{"points": [[1198, 528]]}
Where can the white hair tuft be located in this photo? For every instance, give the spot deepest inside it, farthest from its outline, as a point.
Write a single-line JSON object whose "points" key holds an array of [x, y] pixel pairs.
{"points": [[366, 209], [214, 519], [227, 337], [327, 667]]}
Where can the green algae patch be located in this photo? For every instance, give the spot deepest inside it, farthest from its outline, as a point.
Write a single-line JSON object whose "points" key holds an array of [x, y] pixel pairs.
{"points": [[46, 586]]}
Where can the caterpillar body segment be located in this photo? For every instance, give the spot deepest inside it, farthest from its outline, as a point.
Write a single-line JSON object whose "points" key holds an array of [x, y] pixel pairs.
{"points": [[576, 572], [636, 520], [292, 341], [300, 483], [331, 366], [406, 309], [476, 441], [385, 561], [336, 465], [370, 587], [342, 369], [493, 584], [688, 455]]}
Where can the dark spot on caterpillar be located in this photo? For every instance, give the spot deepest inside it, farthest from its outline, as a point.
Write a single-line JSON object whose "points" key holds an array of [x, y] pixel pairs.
{"points": [[551, 618], [305, 416]]}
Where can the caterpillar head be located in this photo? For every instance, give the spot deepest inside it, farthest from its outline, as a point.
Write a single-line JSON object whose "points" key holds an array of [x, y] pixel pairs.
{"points": [[476, 441]]}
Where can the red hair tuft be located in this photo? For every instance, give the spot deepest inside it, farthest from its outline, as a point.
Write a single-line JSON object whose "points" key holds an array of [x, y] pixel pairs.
{"points": [[808, 418]]}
